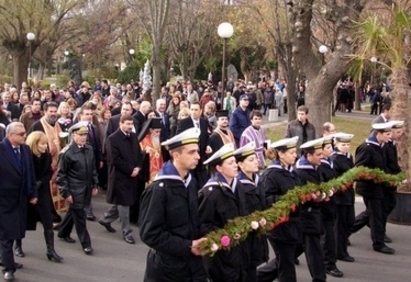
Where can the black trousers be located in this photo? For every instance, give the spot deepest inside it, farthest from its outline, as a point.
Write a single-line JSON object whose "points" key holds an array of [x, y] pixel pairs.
{"points": [[285, 257], [328, 243], [390, 201], [7, 256], [343, 224], [376, 220], [361, 220], [76, 217], [314, 256]]}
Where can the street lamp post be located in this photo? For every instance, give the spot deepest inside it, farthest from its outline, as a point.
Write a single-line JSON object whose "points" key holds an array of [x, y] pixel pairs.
{"points": [[30, 37], [323, 49], [132, 52], [225, 31]]}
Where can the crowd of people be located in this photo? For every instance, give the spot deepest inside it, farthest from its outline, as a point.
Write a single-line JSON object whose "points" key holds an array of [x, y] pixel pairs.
{"points": [[181, 168]]}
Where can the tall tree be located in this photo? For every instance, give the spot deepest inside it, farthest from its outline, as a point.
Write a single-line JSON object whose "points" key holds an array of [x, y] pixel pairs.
{"points": [[386, 36], [154, 16], [191, 33], [322, 78], [20, 17]]}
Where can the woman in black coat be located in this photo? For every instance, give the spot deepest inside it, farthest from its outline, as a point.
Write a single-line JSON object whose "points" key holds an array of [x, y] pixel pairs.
{"points": [[221, 199], [344, 200], [43, 210], [276, 181], [254, 201]]}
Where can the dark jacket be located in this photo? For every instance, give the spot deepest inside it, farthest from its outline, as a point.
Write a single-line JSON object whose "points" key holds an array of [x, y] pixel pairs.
{"points": [[327, 173], [370, 154], [17, 186], [276, 182], [114, 124], [93, 139], [140, 119], [310, 213], [218, 204], [393, 167], [305, 132], [165, 126], [255, 201], [239, 121], [44, 209], [169, 222], [124, 154], [342, 164], [77, 174]]}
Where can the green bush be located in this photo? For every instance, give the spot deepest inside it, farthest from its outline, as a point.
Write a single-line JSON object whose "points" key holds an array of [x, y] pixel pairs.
{"points": [[131, 72]]}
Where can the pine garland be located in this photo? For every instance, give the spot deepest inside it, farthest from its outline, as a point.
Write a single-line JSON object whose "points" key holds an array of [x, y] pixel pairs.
{"points": [[237, 229]]}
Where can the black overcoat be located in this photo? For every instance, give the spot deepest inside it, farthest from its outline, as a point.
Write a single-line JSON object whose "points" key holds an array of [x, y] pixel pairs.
{"points": [[17, 186], [123, 154]]}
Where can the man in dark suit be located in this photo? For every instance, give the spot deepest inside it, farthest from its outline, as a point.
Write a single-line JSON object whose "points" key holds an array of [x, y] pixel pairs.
{"points": [[165, 125], [384, 116], [125, 162], [114, 122], [18, 184], [140, 115], [195, 120], [93, 139], [7, 105]]}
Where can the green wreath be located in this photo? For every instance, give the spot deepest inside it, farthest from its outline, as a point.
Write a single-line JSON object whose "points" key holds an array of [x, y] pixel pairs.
{"points": [[237, 229]]}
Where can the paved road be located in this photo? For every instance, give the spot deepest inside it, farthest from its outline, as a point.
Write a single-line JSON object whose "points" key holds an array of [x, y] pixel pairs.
{"points": [[115, 260]]}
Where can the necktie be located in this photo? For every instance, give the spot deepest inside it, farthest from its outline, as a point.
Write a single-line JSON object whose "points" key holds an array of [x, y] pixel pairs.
{"points": [[197, 124], [90, 130], [17, 154]]}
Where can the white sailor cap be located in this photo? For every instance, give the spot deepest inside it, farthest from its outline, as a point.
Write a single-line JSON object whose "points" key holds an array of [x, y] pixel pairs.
{"points": [[343, 137], [245, 151], [313, 144], [397, 124], [189, 136], [285, 144], [223, 153], [383, 127], [328, 139], [80, 128]]}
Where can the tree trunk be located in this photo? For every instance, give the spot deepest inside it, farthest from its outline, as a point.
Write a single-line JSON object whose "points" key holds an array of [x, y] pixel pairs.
{"points": [[401, 107], [20, 68], [319, 96], [40, 71], [156, 72], [357, 104]]}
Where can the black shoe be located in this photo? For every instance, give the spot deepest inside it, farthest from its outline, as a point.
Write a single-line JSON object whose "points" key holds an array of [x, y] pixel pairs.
{"points": [[347, 258], [88, 250], [8, 276], [334, 272], [385, 250], [107, 226], [68, 239], [91, 217], [387, 239], [18, 252], [129, 239]]}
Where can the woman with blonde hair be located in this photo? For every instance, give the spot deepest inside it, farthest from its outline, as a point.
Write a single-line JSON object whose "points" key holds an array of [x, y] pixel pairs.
{"points": [[64, 116], [43, 210]]}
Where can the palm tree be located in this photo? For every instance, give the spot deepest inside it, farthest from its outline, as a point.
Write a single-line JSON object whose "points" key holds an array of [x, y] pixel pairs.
{"points": [[386, 36]]}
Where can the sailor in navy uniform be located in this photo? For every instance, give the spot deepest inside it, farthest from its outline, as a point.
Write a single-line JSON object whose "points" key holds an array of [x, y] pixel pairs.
{"points": [[307, 168], [329, 211], [169, 221], [392, 167], [221, 199], [344, 200], [277, 180], [371, 154], [255, 201]]}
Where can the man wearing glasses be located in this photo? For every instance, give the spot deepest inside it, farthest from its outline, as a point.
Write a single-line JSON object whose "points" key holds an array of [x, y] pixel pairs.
{"points": [[17, 187]]}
